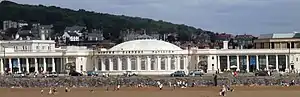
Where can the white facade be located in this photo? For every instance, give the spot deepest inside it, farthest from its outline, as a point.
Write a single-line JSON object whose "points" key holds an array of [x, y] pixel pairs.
{"points": [[145, 57]]}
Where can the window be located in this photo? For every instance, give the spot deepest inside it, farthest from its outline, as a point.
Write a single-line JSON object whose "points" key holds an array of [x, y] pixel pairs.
{"points": [[49, 47], [296, 59], [43, 47], [37, 47], [212, 57]]}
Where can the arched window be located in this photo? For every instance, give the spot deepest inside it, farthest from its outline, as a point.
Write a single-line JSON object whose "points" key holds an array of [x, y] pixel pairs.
{"points": [[124, 62], [181, 62], [153, 62], [143, 62], [115, 63], [163, 64], [173, 62], [133, 63], [106, 63]]}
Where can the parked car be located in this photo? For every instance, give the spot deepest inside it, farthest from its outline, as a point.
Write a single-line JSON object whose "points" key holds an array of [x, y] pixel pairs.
{"points": [[51, 74], [129, 73], [92, 73], [103, 74], [19, 75], [197, 73], [261, 73], [74, 73], [178, 74]]}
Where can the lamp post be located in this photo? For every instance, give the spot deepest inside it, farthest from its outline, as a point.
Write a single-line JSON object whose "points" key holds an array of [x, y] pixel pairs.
{"points": [[289, 59]]}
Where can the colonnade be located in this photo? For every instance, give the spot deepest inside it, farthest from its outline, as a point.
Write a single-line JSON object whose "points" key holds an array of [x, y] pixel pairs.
{"points": [[140, 63], [10, 65], [237, 66]]}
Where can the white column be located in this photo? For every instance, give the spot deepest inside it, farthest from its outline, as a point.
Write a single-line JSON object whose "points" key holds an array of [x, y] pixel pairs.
{"points": [[67, 60], [111, 64], [218, 63], [102, 64], [165, 62], [186, 63], [2, 66], [10, 65], [138, 63], [119, 64], [247, 63], [257, 62], [44, 65], [148, 63], [27, 65], [19, 65], [128, 64], [238, 63], [95, 63], [228, 62], [53, 65], [277, 67], [267, 62], [287, 63], [36, 66], [169, 63], [158, 63], [197, 61]]}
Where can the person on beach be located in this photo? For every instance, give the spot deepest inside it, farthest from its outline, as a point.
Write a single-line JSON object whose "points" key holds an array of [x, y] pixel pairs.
{"points": [[160, 86], [42, 91], [223, 91], [50, 91], [67, 89]]}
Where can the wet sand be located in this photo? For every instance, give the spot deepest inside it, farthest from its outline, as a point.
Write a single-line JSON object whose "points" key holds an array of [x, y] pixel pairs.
{"points": [[241, 91]]}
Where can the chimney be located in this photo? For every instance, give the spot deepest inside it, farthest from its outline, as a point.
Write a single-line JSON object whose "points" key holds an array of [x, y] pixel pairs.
{"points": [[225, 44]]}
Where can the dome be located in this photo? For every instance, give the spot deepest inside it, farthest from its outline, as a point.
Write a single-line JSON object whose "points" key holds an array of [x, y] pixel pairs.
{"points": [[148, 44]]}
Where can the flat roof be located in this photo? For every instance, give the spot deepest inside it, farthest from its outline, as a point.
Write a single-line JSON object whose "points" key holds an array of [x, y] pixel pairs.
{"points": [[27, 41]]}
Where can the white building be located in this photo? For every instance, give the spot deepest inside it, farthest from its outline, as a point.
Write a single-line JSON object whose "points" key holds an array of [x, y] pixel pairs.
{"points": [[146, 57]]}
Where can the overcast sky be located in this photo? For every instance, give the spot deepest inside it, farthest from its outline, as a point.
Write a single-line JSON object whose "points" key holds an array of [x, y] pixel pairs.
{"points": [[230, 16]]}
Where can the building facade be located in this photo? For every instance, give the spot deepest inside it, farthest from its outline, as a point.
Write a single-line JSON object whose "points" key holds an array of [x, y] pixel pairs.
{"points": [[278, 41], [145, 57]]}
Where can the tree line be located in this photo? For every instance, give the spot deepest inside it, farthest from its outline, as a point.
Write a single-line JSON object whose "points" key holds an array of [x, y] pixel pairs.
{"points": [[110, 24]]}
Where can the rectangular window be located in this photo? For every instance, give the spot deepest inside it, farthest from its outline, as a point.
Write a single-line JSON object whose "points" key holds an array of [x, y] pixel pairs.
{"points": [[37, 47]]}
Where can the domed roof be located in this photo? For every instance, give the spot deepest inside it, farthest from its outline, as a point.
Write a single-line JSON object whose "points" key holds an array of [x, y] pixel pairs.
{"points": [[148, 44]]}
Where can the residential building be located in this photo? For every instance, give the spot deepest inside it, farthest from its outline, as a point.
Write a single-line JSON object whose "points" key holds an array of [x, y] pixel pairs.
{"points": [[9, 24], [95, 35], [70, 36], [278, 41]]}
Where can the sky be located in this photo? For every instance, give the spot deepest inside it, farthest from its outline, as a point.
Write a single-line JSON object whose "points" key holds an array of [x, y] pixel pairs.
{"points": [[230, 16]]}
